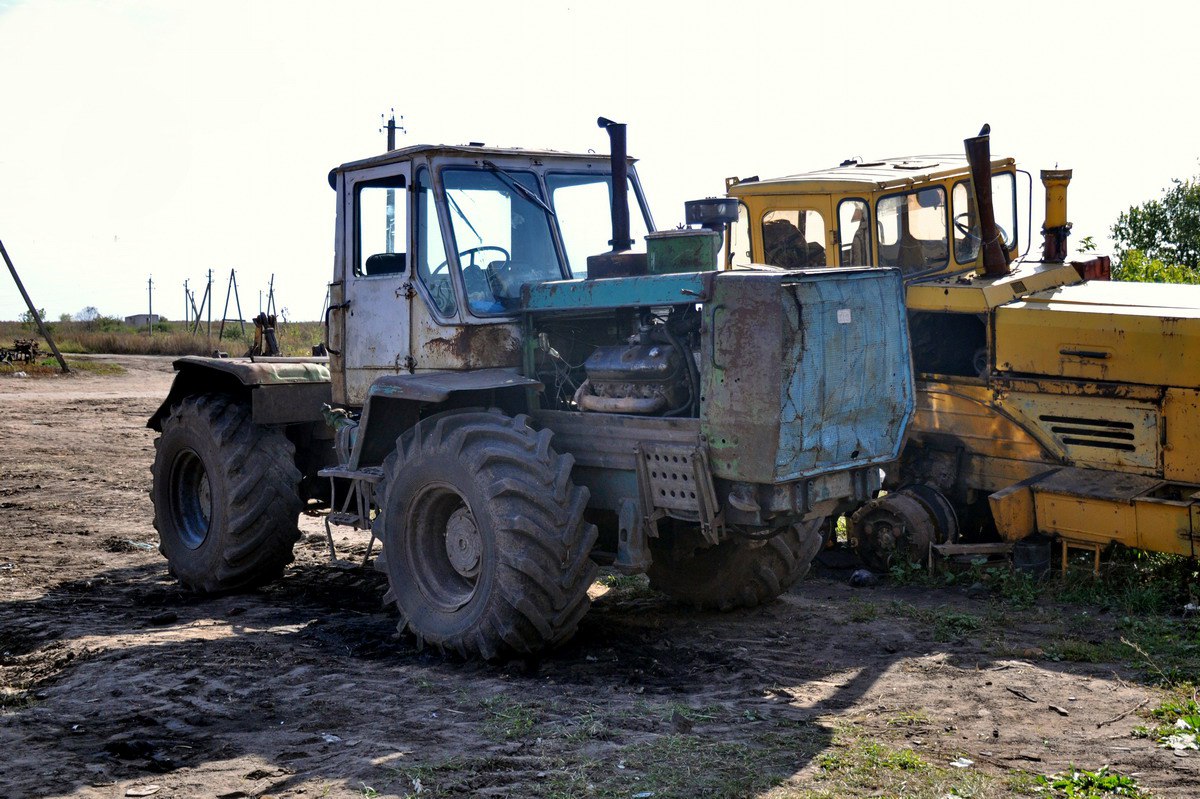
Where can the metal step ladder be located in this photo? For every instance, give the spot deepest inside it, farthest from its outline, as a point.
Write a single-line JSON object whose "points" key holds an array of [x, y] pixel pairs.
{"points": [[356, 505]]}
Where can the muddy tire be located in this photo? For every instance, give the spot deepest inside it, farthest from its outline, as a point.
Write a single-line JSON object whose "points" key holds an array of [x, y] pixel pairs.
{"points": [[484, 542], [225, 495], [738, 572]]}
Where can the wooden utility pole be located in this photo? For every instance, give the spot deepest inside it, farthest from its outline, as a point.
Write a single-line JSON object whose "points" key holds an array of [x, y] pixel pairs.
{"points": [[37, 317], [150, 316]]}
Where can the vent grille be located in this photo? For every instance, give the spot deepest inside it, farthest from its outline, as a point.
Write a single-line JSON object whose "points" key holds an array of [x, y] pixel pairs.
{"points": [[1080, 431]]}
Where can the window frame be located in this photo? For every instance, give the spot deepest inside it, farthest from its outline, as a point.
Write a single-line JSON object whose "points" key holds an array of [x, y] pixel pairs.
{"points": [[631, 179], [945, 220], [401, 184], [462, 300], [870, 229], [1016, 231]]}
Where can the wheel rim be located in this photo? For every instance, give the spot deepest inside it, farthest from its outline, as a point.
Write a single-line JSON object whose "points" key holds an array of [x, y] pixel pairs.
{"points": [[191, 498], [444, 547]]}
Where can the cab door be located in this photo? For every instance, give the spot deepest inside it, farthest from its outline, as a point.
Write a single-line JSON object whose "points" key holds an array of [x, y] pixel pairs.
{"points": [[378, 274]]}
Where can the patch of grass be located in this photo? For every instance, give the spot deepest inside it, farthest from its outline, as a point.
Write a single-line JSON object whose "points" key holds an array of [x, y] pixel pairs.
{"points": [[871, 756], [1084, 784], [862, 612], [113, 337], [909, 718], [1072, 650], [626, 586], [946, 623], [509, 718], [1168, 649], [685, 766]]}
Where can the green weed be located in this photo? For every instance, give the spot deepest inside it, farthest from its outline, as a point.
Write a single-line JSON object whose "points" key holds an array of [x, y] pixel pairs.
{"points": [[1083, 784]]}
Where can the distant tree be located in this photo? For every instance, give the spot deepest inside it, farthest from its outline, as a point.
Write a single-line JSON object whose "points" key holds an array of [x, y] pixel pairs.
{"points": [[64, 317], [28, 320], [88, 314], [1136, 266], [1166, 230]]}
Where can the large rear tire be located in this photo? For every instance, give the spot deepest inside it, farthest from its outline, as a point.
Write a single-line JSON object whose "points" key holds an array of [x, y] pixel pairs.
{"points": [[484, 542], [738, 572], [225, 494]]}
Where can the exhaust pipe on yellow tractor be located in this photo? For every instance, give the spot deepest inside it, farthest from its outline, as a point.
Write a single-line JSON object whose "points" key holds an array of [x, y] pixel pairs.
{"points": [[1057, 228], [979, 155]]}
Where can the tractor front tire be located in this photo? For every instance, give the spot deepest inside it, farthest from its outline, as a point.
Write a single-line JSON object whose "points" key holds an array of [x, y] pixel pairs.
{"points": [[736, 573], [225, 493], [484, 542]]}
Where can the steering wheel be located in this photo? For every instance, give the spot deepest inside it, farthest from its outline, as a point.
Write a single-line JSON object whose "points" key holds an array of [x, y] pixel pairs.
{"points": [[472, 251], [962, 226]]}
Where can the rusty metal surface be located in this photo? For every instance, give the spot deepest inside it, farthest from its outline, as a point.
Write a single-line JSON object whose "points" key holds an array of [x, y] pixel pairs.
{"points": [[804, 373], [611, 441], [438, 386], [289, 403], [22, 351], [979, 154], [261, 372]]}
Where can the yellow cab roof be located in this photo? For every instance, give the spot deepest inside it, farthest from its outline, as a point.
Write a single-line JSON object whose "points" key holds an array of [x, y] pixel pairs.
{"points": [[867, 176]]}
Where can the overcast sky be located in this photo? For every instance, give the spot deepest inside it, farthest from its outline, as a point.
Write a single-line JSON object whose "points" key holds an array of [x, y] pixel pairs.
{"points": [[143, 137]]}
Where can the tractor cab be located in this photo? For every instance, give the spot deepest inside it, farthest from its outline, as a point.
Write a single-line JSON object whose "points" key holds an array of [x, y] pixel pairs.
{"points": [[452, 233], [916, 213]]}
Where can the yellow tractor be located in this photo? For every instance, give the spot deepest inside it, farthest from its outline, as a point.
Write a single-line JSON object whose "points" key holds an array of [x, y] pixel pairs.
{"points": [[1049, 399]]}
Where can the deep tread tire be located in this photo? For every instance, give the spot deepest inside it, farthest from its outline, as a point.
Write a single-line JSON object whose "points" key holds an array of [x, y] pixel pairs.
{"points": [[738, 572], [250, 486], [534, 564]]}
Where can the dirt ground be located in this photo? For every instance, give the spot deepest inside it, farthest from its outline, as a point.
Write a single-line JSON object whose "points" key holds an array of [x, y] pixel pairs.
{"points": [[114, 682]]}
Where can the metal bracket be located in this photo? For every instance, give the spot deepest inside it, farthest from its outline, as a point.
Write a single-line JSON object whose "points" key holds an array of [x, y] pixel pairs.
{"points": [[355, 510], [633, 550], [677, 482]]}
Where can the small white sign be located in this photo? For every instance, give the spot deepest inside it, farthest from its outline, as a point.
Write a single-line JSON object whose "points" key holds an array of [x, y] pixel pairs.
{"points": [[844, 316]]}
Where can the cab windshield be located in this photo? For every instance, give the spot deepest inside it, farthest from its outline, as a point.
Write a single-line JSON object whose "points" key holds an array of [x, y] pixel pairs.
{"points": [[502, 234]]}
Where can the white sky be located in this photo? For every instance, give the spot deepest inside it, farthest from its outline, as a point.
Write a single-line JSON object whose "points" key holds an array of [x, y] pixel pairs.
{"points": [[159, 137]]}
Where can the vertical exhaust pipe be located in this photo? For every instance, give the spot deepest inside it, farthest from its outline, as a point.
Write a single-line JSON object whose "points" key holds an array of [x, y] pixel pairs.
{"points": [[620, 184], [979, 155], [1056, 228]]}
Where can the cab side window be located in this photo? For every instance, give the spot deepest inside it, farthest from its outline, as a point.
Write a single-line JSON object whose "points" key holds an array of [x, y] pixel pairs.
{"points": [[912, 231], [382, 227], [854, 232], [793, 239], [433, 270]]}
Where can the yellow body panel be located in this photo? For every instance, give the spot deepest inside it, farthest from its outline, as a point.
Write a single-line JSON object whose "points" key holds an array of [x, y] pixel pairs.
{"points": [[1181, 418], [1057, 333], [1095, 432], [974, 294]]}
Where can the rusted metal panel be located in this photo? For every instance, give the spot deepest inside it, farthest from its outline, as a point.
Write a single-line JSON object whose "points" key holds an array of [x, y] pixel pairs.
{"points": [[838, 340], [259, 372], [1086, 332], [1181, 452], [438, 386], [645, 290], [610, 441], [1091, 431], [289, 403]]}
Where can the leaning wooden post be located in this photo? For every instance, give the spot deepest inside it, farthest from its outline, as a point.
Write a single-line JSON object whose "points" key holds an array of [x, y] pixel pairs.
{"points": [[33, 311]]}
